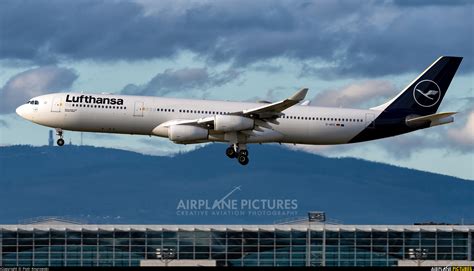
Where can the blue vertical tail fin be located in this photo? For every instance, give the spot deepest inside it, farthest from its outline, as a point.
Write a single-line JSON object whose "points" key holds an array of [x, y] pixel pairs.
{"points": [[413, 108], [424, 94]]}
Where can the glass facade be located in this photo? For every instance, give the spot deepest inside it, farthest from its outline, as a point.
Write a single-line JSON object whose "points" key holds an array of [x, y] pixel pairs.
{"points": [[252, 245]]}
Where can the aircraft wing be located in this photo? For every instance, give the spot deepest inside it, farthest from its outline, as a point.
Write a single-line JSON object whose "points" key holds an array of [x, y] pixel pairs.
{"points": [[262, 114], [273, 109]]}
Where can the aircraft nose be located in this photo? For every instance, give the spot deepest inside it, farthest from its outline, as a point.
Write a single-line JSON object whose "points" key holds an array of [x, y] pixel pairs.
{"points": [[22, 111]]}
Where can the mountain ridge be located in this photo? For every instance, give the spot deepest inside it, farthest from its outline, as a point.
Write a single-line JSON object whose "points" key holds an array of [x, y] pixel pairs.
{"points": [[117, 186]]}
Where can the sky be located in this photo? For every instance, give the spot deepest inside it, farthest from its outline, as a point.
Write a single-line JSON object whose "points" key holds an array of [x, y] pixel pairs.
{"points": [[349, 53]]}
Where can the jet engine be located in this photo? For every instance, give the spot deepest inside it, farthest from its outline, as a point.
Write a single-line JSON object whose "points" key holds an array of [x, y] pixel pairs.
{"points": [[228, 123], [187, 133]]}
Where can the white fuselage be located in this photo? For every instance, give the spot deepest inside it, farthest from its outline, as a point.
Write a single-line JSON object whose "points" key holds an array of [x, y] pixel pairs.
{"points": [[141, 115]]}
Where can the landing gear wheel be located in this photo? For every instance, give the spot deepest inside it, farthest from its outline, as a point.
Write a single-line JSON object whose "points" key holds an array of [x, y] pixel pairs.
{"points": [[60, 142], [243, 159], [230, 152], [244, 153]]}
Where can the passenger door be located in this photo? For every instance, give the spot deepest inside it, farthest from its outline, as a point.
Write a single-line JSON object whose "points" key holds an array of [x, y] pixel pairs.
{"points": [[138, 110], [369, 120], [57, 104]]}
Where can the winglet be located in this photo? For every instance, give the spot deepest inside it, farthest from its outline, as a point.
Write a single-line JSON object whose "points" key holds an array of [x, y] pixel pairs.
{"points": [[299, 96]]}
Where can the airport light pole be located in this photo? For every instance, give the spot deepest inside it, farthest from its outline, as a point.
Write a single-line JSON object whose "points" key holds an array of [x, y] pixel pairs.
{"points": [[419, 255], [166, 255]]}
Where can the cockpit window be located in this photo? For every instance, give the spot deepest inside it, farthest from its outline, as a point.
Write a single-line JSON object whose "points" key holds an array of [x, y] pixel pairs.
{"points": [[36, 102], [33, 102]]}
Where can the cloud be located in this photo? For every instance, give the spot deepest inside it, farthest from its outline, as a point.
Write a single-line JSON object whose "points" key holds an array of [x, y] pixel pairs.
{"points": [[104, 136], [181, 80], [344, 38], [4, 123], [404, 146], [462, 137], [271, 95], [357, 94], [431, 3], [315, 149], [34, 82], [268, 68], [457, 137]]}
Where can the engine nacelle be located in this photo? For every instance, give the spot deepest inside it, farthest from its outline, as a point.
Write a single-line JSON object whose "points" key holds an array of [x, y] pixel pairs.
{"points": [[228, 123], [187, 133]]}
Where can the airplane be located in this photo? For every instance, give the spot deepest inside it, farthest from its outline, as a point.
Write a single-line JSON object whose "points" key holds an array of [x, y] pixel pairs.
{"points": [[292, 120]]}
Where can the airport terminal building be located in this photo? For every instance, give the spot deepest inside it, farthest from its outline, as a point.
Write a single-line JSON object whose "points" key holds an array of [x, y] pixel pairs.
{"points": [[57, 243]]}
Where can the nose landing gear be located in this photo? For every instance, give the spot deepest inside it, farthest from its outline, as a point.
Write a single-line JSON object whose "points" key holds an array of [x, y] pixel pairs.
{"points": [[238, 151], [60, 141]]}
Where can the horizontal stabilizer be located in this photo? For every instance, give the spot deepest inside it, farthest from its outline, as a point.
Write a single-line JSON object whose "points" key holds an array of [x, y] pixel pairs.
{"points": [[433, 119]]}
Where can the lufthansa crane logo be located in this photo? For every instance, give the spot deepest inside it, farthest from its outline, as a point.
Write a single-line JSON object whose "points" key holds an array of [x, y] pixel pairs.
{"points": [[426, 93]]}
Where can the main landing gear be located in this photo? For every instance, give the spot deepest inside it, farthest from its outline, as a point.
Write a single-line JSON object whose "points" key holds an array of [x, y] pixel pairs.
{"points": [[60, 141], [235, 151]]}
